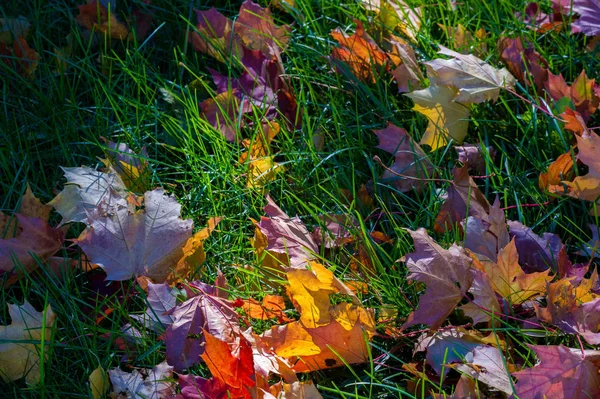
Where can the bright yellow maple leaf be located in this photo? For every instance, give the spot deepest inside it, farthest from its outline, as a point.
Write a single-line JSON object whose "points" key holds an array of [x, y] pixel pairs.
{"points": [[448, 119]]}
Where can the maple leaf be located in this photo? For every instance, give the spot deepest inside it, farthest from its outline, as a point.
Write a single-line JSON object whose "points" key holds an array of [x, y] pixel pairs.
{"points": [[487, 365], [448, 119], [235, 371], [486, 234], [588, 22], [94, 16], [509, 280], [261, 165], [85, 190], [467, 352], [535, 253], [30, 206], [360, 52], [146, 242], [523, 61], [99, 385], [131, 167], [155, 383], [476, 80], [214, 35], [409, 159], [474, 155], [463, 199], [561, 373], [446, 273], [408, 74], [484, 303], [396, 13], [463, 40], [465, 389], [260, 85], [224, 111], [574, 122], [287, 236], [587, 187], [572, 308], [582, 92], [185, 337], [322, 347], [161, 299], [20, 342], [35, 236], [558, 171], [257, 30], [272, 306]]}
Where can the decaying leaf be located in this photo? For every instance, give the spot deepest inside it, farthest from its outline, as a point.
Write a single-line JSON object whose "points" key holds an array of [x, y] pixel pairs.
{"points": [[20, 342]]}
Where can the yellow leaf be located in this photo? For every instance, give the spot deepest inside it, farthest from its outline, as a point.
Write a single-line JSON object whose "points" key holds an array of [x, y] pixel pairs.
{"points": [[98, 383], [509, 280], [310, 290], [447, 118]]}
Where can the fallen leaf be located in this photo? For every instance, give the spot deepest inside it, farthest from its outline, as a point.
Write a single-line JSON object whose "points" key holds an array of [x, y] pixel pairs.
{"points": [[99, 385], [359, 52], [214, 35], [474, 155], [535, 253], [131, 167], [582, 92], [572, 308], [184, 338], [448, 119], [257, 30], [396, 13], [558, 171], [476, 80], [408, 74], [411, 167], [36, 236], [155, 383], [485, 302], [574, 122], [526, 64], [259, 158], [446, 273], [161, 299], [508, 279], [287, 236], [560, 374], [20, 342], [463, 199], [146, 242], [587, 187], [486, 235], [85, 190], [588, 22], [95, 17]]}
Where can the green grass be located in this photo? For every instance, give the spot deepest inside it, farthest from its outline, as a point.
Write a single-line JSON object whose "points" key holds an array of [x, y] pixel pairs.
{"points": [[57, 120]]}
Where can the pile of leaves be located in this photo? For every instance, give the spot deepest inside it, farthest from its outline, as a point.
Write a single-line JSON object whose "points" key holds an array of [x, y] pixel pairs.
{"points": [[114, 224]]}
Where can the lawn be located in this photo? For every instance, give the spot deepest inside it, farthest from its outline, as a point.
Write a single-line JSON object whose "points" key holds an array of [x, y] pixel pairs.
{"points": [[299, 199]]}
